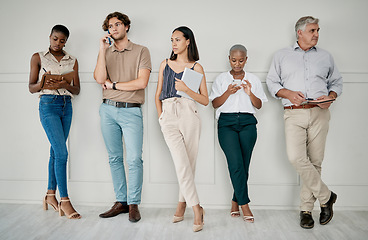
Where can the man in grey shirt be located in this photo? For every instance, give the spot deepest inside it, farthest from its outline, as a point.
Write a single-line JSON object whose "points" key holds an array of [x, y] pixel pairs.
{"points": [[306, 79]]}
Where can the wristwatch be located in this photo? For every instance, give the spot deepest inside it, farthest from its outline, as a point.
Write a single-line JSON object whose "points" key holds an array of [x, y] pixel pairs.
{"points": [[114, 85]]}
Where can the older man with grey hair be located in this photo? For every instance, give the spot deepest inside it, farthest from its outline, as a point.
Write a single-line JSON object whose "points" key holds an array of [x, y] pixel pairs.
{"points": [[307, 81]]}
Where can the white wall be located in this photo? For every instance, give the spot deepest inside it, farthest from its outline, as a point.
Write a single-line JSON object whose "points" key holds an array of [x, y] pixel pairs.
{"points": [[262, 26]]}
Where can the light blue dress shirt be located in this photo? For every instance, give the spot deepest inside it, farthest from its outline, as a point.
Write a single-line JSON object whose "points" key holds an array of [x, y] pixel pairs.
{"points": [[311, 72]]}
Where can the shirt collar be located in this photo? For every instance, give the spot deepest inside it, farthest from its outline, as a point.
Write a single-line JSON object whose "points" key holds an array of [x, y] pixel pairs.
{"points": [[129, 47], [231, 77], [297, 47], [67, 55]]}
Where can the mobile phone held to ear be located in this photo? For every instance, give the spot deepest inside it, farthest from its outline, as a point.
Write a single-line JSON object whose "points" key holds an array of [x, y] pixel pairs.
{"points": [[108, 38]]}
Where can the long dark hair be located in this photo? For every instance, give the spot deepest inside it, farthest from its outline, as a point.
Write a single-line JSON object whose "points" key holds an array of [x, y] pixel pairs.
{"points": [[192, 47]]}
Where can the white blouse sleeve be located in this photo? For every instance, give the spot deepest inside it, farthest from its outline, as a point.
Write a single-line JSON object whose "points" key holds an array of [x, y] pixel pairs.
{"points": [[216, 88]]}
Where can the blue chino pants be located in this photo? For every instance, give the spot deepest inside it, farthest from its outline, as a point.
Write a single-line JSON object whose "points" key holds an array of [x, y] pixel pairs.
{"points": [[118, 124]]}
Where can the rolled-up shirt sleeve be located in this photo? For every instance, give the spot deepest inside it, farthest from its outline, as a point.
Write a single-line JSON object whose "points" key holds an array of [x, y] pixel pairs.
{"points": [[334, 82], [273, 79]]}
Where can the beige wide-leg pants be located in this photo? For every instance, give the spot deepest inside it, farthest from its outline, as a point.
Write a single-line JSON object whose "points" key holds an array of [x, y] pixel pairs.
{"points": [[181, 127], [306, 131]]}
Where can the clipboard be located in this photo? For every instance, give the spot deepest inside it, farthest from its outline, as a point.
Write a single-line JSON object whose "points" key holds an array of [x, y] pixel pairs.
{"points": [[192, 79], [67, 76], [315, 102]]}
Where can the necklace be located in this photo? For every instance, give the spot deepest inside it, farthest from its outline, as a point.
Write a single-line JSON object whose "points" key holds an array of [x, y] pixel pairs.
{"points": [[238, 76]]}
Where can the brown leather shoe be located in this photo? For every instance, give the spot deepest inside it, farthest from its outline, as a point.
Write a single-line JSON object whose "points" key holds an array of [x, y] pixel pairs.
{"points": [[115, 210], [134, 215]]}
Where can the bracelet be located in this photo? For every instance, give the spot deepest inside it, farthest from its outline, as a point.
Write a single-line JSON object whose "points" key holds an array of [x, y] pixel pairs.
{"points": [[114, 85]]}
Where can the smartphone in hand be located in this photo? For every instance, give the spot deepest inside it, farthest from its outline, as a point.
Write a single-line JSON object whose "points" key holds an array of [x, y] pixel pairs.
{"points": [[108, 38], [237, 82]]}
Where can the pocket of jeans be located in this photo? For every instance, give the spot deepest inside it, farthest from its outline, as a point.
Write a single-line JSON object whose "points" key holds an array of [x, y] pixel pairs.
{"points": [[138, 112], [47, 99]]}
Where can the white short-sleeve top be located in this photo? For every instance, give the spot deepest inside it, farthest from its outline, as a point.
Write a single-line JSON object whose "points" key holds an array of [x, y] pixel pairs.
{"points": [[239, 101]]}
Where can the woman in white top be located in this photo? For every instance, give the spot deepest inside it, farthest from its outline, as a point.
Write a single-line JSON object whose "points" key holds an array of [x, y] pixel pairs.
{"points": [[235, 94]]}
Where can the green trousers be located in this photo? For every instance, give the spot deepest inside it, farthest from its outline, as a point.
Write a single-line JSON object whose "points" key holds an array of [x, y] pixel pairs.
{"points": [[237, 134]]}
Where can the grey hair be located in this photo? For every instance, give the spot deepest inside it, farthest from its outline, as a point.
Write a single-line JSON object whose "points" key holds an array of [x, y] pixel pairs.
{"points": [[238, 47], [302, 23]]}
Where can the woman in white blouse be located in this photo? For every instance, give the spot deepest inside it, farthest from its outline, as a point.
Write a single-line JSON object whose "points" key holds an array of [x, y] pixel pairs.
{"points": [[235, 95]]}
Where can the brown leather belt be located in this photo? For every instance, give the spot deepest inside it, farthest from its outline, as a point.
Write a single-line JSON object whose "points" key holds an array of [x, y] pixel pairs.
{"points": [[305, 106], [121, 104]]}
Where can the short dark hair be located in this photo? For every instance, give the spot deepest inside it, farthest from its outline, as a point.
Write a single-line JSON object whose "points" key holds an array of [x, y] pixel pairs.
{"points": [[122, 17], [60, 28], [193, 54]]}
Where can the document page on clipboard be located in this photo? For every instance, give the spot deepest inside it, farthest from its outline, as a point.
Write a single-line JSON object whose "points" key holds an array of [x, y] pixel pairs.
{"points": [[192, 79], [315, 102]]}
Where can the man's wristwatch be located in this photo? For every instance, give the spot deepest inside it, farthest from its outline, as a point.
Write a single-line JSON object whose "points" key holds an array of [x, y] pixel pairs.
{"points": [[114, 85]]}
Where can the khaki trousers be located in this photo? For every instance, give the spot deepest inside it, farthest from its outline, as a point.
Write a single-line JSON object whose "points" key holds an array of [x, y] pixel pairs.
{"points": [[306, 131], [181, 127]]}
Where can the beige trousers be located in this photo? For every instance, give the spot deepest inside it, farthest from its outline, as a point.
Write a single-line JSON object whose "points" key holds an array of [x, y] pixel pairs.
{"points": [[306, 131], [181, 127]]}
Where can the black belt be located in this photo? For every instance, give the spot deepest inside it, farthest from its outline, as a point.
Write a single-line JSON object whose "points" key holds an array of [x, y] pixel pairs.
{"points": [[121, 104]]}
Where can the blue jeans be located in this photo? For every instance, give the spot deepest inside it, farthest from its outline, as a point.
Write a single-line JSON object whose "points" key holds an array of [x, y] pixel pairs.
{"points": [[127, 123], [56, 117]]}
